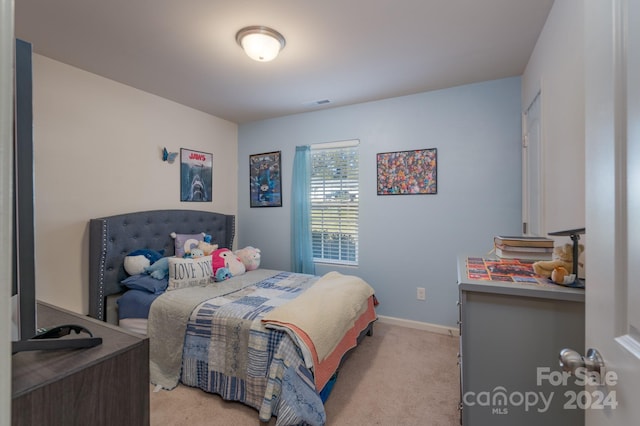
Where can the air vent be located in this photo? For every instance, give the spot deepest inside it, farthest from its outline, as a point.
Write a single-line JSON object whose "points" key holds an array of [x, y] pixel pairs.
{"points": [[317, 103]]}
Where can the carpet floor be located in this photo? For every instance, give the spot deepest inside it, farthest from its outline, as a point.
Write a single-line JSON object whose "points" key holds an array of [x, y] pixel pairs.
{"points": [[398, 376]]}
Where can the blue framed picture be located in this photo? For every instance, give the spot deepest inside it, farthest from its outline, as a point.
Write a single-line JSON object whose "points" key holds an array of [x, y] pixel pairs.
{"points": [[265, 180]]}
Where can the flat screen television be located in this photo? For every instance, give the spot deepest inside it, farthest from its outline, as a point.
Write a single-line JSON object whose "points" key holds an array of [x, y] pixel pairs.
{"points": [[25, 335], [23, 290]]}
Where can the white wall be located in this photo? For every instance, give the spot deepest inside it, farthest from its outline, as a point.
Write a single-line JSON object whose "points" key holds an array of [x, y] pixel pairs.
{"points": [[406, 241], [98, 152], [556, 68]]}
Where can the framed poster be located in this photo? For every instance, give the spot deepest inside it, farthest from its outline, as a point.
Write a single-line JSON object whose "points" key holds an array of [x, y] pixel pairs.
{"points": [[265, 180], [408, 172], [196, 175]]}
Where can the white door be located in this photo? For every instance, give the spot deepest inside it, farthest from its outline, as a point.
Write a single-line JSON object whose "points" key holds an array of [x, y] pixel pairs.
{"points": [[612, 78], [532, 170]]}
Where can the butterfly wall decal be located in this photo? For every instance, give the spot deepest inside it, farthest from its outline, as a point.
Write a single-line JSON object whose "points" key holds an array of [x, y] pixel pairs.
{"points": [[167, 156]]}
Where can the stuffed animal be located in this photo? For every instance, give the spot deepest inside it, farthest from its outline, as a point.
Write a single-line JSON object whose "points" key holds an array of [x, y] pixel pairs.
{"points": [[222, 274], [195, 252], [206, 246], [560, 275], [224, 258], [137, 260], [250, 257], [562, 256], [158, 269]]}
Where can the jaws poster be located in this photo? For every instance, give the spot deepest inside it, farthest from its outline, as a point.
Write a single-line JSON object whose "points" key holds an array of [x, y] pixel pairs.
{"points": [[196, 175]]}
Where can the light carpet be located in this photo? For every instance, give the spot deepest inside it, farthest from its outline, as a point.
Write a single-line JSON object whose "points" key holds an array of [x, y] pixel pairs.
{"points": [[398, 376]]}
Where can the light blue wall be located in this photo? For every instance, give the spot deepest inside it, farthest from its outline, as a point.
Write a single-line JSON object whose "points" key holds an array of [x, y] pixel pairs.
{"points": [[405, 241]]}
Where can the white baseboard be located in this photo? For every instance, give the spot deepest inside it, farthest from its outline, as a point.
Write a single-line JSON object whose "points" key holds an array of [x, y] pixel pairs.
{"points": [[434, 328]]}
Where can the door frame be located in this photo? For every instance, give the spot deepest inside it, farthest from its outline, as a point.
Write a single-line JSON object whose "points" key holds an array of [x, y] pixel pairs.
{"points": [[526, 208]]}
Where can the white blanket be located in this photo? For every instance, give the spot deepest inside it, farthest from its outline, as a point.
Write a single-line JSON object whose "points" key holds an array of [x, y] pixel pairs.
{"points": [[326, 311]]}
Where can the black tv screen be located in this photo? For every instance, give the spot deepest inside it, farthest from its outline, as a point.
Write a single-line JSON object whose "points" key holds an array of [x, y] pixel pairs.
{"points": [[24, 284]]}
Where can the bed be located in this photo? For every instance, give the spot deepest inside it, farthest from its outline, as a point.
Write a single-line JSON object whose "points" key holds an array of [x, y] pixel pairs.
{"points": [[273, 340]]}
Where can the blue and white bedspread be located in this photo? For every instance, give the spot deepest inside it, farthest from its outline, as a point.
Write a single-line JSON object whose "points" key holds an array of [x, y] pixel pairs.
{"points": [[271, 375]]}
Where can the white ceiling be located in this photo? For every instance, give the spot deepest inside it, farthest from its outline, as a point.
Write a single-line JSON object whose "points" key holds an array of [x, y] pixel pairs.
{"points": [[346, 51]]}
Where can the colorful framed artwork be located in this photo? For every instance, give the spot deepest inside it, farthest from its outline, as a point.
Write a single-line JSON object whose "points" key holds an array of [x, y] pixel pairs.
{"points": [[408, 172], [196, 176], [265, 186]]}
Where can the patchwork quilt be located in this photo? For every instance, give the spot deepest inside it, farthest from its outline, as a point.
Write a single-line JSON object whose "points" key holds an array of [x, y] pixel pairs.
{"points": [[271, 375]]}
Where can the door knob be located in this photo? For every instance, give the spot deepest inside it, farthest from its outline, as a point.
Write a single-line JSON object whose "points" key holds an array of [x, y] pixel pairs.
{"points": [[571, 360]]}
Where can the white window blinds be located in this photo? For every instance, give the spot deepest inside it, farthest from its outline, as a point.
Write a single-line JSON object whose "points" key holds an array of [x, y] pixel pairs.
{"points": [[334, 203]]}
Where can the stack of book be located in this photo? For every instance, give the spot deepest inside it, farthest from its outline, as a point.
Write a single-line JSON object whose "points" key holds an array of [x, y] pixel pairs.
{"points": [[528, 248]]}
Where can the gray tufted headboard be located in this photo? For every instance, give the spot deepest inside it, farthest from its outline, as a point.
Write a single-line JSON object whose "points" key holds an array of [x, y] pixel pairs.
{"points": [[112, 238]]}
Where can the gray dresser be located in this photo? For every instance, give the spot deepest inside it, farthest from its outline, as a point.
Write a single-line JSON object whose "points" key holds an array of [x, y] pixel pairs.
{"points": [[510, 337]]}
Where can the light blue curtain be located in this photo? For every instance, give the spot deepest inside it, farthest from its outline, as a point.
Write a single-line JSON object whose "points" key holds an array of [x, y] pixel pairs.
{"points": [[301, 251]]}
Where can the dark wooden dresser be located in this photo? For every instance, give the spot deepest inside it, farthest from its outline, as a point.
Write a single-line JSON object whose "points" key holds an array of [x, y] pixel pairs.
{"points": [[104, 385]]}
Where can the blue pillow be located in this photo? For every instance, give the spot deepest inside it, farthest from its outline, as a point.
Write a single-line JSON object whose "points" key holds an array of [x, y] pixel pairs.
{"points": [[135, 304], [147, 283]]}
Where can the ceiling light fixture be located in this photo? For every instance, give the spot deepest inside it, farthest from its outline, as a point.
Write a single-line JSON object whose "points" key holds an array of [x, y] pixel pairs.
{"points": [[260, 43]]}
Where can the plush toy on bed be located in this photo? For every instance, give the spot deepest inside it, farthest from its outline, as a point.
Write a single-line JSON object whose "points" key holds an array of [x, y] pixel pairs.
{"points": [[158, 269], [137, 260], [194, 253], [250, 257], [225, 258], [222, 274], [206, 246]]}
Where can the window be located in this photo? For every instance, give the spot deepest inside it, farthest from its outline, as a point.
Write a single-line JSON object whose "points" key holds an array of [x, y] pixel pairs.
{"points": [[334, 202]]}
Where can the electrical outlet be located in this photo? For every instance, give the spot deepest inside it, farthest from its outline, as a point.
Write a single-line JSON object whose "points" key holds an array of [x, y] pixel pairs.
{"points": [[421, 294]]}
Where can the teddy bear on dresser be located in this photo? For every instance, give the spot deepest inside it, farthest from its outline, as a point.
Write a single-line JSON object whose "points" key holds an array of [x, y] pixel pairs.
{"points": [[562, 262]]}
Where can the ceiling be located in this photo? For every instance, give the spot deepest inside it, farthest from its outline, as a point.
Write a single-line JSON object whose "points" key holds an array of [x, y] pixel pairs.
{"points": [[344, 51]]}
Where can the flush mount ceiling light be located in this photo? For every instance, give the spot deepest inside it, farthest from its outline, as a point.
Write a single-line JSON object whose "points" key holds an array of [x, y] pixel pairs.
{"points": [[260, 43]]}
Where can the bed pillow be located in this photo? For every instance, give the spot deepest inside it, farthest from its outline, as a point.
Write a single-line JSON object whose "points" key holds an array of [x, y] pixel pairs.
{"points": [[135, 304], [189, 272], [146, 282], [185, 242]]}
